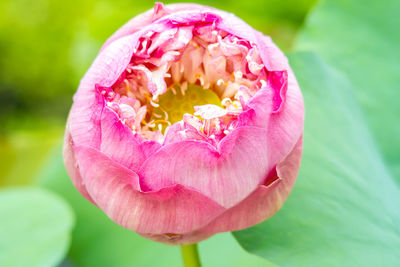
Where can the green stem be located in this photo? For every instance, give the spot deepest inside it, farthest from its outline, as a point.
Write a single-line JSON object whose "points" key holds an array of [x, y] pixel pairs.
{"points": [[190, 256]]}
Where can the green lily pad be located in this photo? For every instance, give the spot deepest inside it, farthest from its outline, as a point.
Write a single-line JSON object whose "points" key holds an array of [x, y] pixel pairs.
{"points": [[361, 39], [344, 209], [35, 227]]}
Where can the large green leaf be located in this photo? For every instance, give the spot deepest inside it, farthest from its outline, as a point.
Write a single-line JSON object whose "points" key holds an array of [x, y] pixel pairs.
{"points": [[344, 210], [361, 39], [35, 227], [97, 241]]}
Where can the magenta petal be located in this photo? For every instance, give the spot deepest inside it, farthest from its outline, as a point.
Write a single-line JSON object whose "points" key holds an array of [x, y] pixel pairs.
{"points": [[226, 174], [265, 201], [116, 190]]}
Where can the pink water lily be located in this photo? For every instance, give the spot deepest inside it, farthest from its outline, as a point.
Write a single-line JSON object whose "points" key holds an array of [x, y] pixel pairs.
{"points": [[188, 123]]}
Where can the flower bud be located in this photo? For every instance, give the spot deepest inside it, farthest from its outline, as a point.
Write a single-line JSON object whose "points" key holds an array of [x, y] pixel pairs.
{"points": [[188, 123]]}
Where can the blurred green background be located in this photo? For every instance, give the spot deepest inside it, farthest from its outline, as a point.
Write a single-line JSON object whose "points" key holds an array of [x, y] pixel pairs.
{"points": [[46, 46]]}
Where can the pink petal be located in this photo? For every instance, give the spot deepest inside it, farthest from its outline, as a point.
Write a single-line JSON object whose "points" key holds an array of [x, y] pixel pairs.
{"points": [[150, 147], [214, 68], [181, 39], [161, 39], [277, 80], [209, 111], [155, 79], [159, 10], [271, 98], [284, 127], [265, 201], [226, 174], [272, 57], [136, 24], [119, 143], [72, 167], [141, 21], [116, 190], [173, 133], [85, 115]]}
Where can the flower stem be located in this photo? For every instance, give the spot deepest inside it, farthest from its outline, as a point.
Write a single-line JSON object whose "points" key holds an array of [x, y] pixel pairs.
{"points": [[190, 256]]}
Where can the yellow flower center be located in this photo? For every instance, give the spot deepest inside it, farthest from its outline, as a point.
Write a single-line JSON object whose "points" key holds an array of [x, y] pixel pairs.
{"points": [[176, 102]]}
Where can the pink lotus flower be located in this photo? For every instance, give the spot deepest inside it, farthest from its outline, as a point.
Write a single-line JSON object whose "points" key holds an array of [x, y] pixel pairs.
{"points": [[188, 123]]}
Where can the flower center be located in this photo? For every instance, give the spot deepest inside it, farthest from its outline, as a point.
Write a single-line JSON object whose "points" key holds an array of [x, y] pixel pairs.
{"points": [[187, 83], [176, 102]]}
